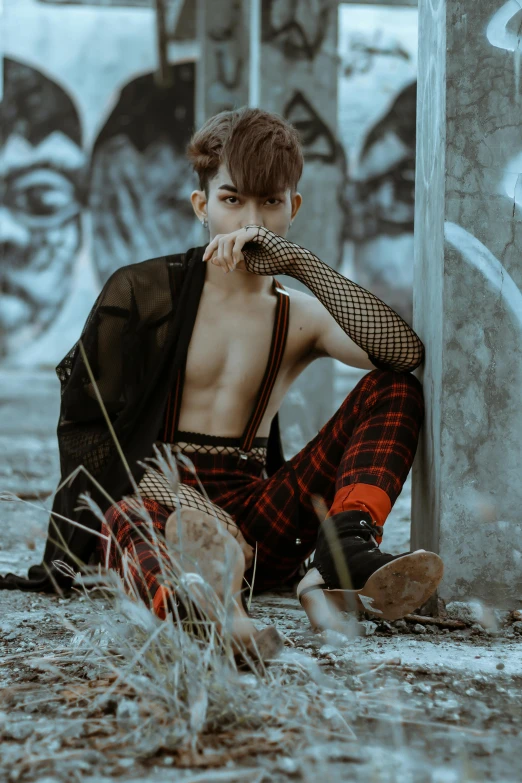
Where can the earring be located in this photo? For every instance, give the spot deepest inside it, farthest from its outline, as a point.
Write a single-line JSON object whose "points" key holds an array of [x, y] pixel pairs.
{"points": [[204, 223]]}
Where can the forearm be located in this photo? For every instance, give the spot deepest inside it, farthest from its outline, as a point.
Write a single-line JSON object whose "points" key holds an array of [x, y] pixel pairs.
{"points": [[374, 326]]}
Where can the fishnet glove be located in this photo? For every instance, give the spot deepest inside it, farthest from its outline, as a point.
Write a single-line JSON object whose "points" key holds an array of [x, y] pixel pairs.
{"points": [[374, 326]]}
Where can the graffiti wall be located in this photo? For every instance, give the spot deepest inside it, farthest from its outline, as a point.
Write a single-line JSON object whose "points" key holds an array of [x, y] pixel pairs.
{"points": [[92, 154], [377, 116]]}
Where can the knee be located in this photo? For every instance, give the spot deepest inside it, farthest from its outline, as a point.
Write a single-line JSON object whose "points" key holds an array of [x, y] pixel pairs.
{"points": [[402, 380], [400, 385]]}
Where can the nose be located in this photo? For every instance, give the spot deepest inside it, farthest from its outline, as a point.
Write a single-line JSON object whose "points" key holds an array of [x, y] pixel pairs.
{"points": [[253, 216], [254, 219], [12, 232]]}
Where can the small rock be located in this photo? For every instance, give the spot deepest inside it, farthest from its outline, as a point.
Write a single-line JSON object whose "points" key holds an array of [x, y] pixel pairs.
{"points": [[480, 678], [501, 666], [418, 628], [18, 731], [125, 763], [326, 649], [517, 627], [128, 713], [369, 627], [473, 612], [287, 764]]}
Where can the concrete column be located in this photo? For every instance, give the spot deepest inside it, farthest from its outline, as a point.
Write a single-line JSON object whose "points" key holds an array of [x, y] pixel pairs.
{"points": [[467, 492], [298, 67], [222, 75], [223, 72]]}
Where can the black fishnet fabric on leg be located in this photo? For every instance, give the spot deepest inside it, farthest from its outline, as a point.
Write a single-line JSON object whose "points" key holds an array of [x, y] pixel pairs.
{"points": [[372, 324], [257, 452]]}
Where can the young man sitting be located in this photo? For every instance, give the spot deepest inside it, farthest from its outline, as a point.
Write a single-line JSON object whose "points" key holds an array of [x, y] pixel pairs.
{"points": [[197, 351]]}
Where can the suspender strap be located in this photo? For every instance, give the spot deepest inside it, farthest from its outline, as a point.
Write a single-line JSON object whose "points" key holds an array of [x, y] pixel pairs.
{"points": [[279, 335]]}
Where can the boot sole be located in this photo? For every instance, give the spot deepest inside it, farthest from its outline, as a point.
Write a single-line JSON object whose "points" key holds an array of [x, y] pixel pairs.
{"points": [[393, 591]]}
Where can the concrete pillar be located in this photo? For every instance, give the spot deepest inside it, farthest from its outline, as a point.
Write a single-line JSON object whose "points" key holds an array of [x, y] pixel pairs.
{"points": [[467, 492], [298, 67], [223, 70], [222, 76]]}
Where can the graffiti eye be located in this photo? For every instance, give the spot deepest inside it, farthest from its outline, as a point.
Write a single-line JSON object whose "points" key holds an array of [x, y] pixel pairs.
{"points": [[42, 193], [41, 200]]}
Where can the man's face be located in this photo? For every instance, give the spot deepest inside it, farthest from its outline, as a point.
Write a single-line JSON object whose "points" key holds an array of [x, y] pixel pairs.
{"points": [[228, 211], [39, 234]]}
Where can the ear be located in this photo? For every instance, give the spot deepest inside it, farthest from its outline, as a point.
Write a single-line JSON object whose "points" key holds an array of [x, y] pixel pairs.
{"points": [[297, 200], [199, 204]]}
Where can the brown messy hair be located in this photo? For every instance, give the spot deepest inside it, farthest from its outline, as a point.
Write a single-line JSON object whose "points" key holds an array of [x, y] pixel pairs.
{"points": [[261, 150]]}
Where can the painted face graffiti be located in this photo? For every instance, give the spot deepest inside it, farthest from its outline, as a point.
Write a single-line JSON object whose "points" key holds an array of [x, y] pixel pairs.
{"points": [[41, 170]]}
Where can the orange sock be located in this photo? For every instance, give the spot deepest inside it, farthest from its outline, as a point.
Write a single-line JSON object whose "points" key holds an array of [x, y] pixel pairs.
{"points": [[363, 497], [160, 602]]}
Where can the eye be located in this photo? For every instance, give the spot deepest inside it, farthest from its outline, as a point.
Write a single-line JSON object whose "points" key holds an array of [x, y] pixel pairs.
{"points": [[43, 198], [229, 197], [273, 198], [42, 193]]}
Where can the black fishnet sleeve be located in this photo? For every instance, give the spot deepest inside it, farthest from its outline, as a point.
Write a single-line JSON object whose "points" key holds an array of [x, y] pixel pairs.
{"points": [[374, 326]]}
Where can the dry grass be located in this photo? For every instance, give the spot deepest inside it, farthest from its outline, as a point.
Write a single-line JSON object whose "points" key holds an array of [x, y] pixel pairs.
{"points": [[131, 688]]}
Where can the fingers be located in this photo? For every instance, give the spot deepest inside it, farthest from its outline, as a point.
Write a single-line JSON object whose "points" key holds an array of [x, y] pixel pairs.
{"points": [[225, 253], [225, 250]]}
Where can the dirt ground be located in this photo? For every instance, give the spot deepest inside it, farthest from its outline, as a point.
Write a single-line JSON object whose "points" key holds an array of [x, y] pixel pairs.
{"points": [[421, 702]]}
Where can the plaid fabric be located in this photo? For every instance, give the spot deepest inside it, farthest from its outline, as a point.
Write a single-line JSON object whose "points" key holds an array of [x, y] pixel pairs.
{"points": [[371, 439], [139, 557]]}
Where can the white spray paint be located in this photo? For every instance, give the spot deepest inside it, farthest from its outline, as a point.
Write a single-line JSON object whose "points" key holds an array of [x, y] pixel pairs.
{"points": [[479, 257], [512, 182], [499, 35]]}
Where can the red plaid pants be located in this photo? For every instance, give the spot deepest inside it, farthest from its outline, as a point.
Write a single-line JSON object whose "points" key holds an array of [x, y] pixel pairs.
{"points": [[370, 440]]}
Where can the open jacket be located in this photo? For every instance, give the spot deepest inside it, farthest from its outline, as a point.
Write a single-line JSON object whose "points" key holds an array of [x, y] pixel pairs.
{"points": [[135, 338]]}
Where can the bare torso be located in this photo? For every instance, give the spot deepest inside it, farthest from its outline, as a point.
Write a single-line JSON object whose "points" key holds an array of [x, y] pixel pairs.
{"points": [[227, 358]]}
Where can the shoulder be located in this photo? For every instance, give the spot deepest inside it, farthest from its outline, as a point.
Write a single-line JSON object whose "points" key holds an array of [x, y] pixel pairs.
{"points": [[303, 303], [305, 321]]}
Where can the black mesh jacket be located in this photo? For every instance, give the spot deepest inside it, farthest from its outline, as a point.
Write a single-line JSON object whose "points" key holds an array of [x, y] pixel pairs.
{"points": [[135, 337]]}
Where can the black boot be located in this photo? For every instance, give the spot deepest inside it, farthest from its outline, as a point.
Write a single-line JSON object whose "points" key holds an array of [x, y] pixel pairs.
{"points": [[354, 533], [355, 575]]}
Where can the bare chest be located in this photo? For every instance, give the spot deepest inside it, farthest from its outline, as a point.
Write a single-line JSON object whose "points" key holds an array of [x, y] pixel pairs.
{"points": [[230, 346]]}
